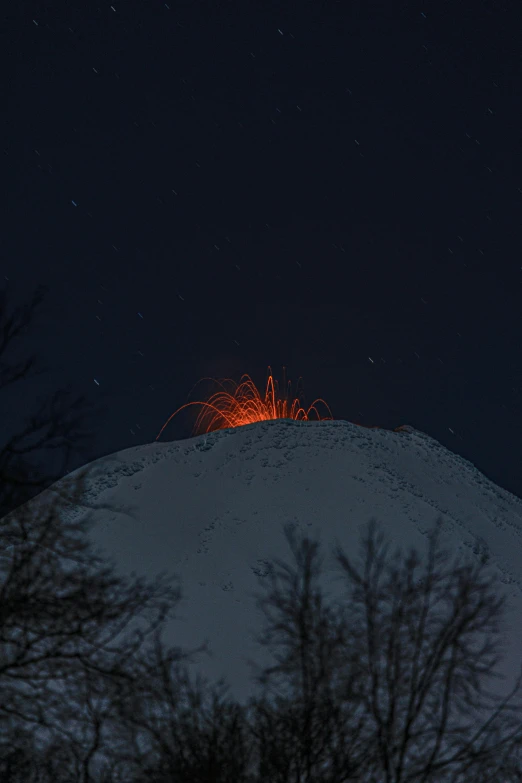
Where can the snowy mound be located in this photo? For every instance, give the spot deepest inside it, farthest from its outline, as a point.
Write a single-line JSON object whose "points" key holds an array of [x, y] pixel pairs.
{"points": [[211, 509]]}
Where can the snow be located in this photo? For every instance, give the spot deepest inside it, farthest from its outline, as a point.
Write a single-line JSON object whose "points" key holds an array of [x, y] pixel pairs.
{"points": [[211, 509]]}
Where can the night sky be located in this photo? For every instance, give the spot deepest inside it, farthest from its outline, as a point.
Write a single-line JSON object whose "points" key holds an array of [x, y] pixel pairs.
{"points": [[210, 188]]}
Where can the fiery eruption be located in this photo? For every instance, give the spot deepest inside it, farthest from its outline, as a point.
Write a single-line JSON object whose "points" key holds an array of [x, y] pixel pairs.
{"points": [[245, 406]]}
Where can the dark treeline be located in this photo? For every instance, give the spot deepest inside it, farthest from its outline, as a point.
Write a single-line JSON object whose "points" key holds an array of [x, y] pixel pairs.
{"points": [[389, 684]]}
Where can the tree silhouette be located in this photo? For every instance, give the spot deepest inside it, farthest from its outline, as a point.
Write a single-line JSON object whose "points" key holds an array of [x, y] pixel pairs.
{"points": [[174, 727], [68, 623], [304, 730], [54, 428], [388, 683], [391, 684]]}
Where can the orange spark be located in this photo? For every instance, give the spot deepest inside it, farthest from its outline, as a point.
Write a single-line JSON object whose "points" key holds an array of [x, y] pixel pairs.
{"points": [[245, 406]]}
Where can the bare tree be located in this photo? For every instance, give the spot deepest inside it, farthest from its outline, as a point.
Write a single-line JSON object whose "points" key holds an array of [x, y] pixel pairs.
{"points": [[74, 636], [175, 731], [178, 729], [392, 684], [68, 623], [307, 725], [432, 644], [56, 428], [387, 684]]}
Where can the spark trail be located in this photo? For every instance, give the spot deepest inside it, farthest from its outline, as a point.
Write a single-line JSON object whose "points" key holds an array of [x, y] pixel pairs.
{"points": [[246, 406]]}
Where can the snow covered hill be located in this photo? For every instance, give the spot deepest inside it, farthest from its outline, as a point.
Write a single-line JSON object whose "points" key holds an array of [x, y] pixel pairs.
{"points": [[211, 509]]}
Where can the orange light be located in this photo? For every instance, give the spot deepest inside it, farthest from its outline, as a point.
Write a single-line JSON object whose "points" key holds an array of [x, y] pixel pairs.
{"points": [[245, 406]]}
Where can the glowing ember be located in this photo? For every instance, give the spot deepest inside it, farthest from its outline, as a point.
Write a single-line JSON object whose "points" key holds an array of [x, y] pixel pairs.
{"points": [[245, 406]]}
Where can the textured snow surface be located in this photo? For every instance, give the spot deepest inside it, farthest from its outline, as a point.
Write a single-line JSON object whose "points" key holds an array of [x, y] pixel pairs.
{"points": [[211, 509]]}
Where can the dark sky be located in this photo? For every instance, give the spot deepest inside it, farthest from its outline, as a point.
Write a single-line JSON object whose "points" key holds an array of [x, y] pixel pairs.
{"points": [[333, 187]]}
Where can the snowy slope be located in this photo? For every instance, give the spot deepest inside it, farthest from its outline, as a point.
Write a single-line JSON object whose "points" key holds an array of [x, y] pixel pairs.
{"points": [[211, 509]]}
